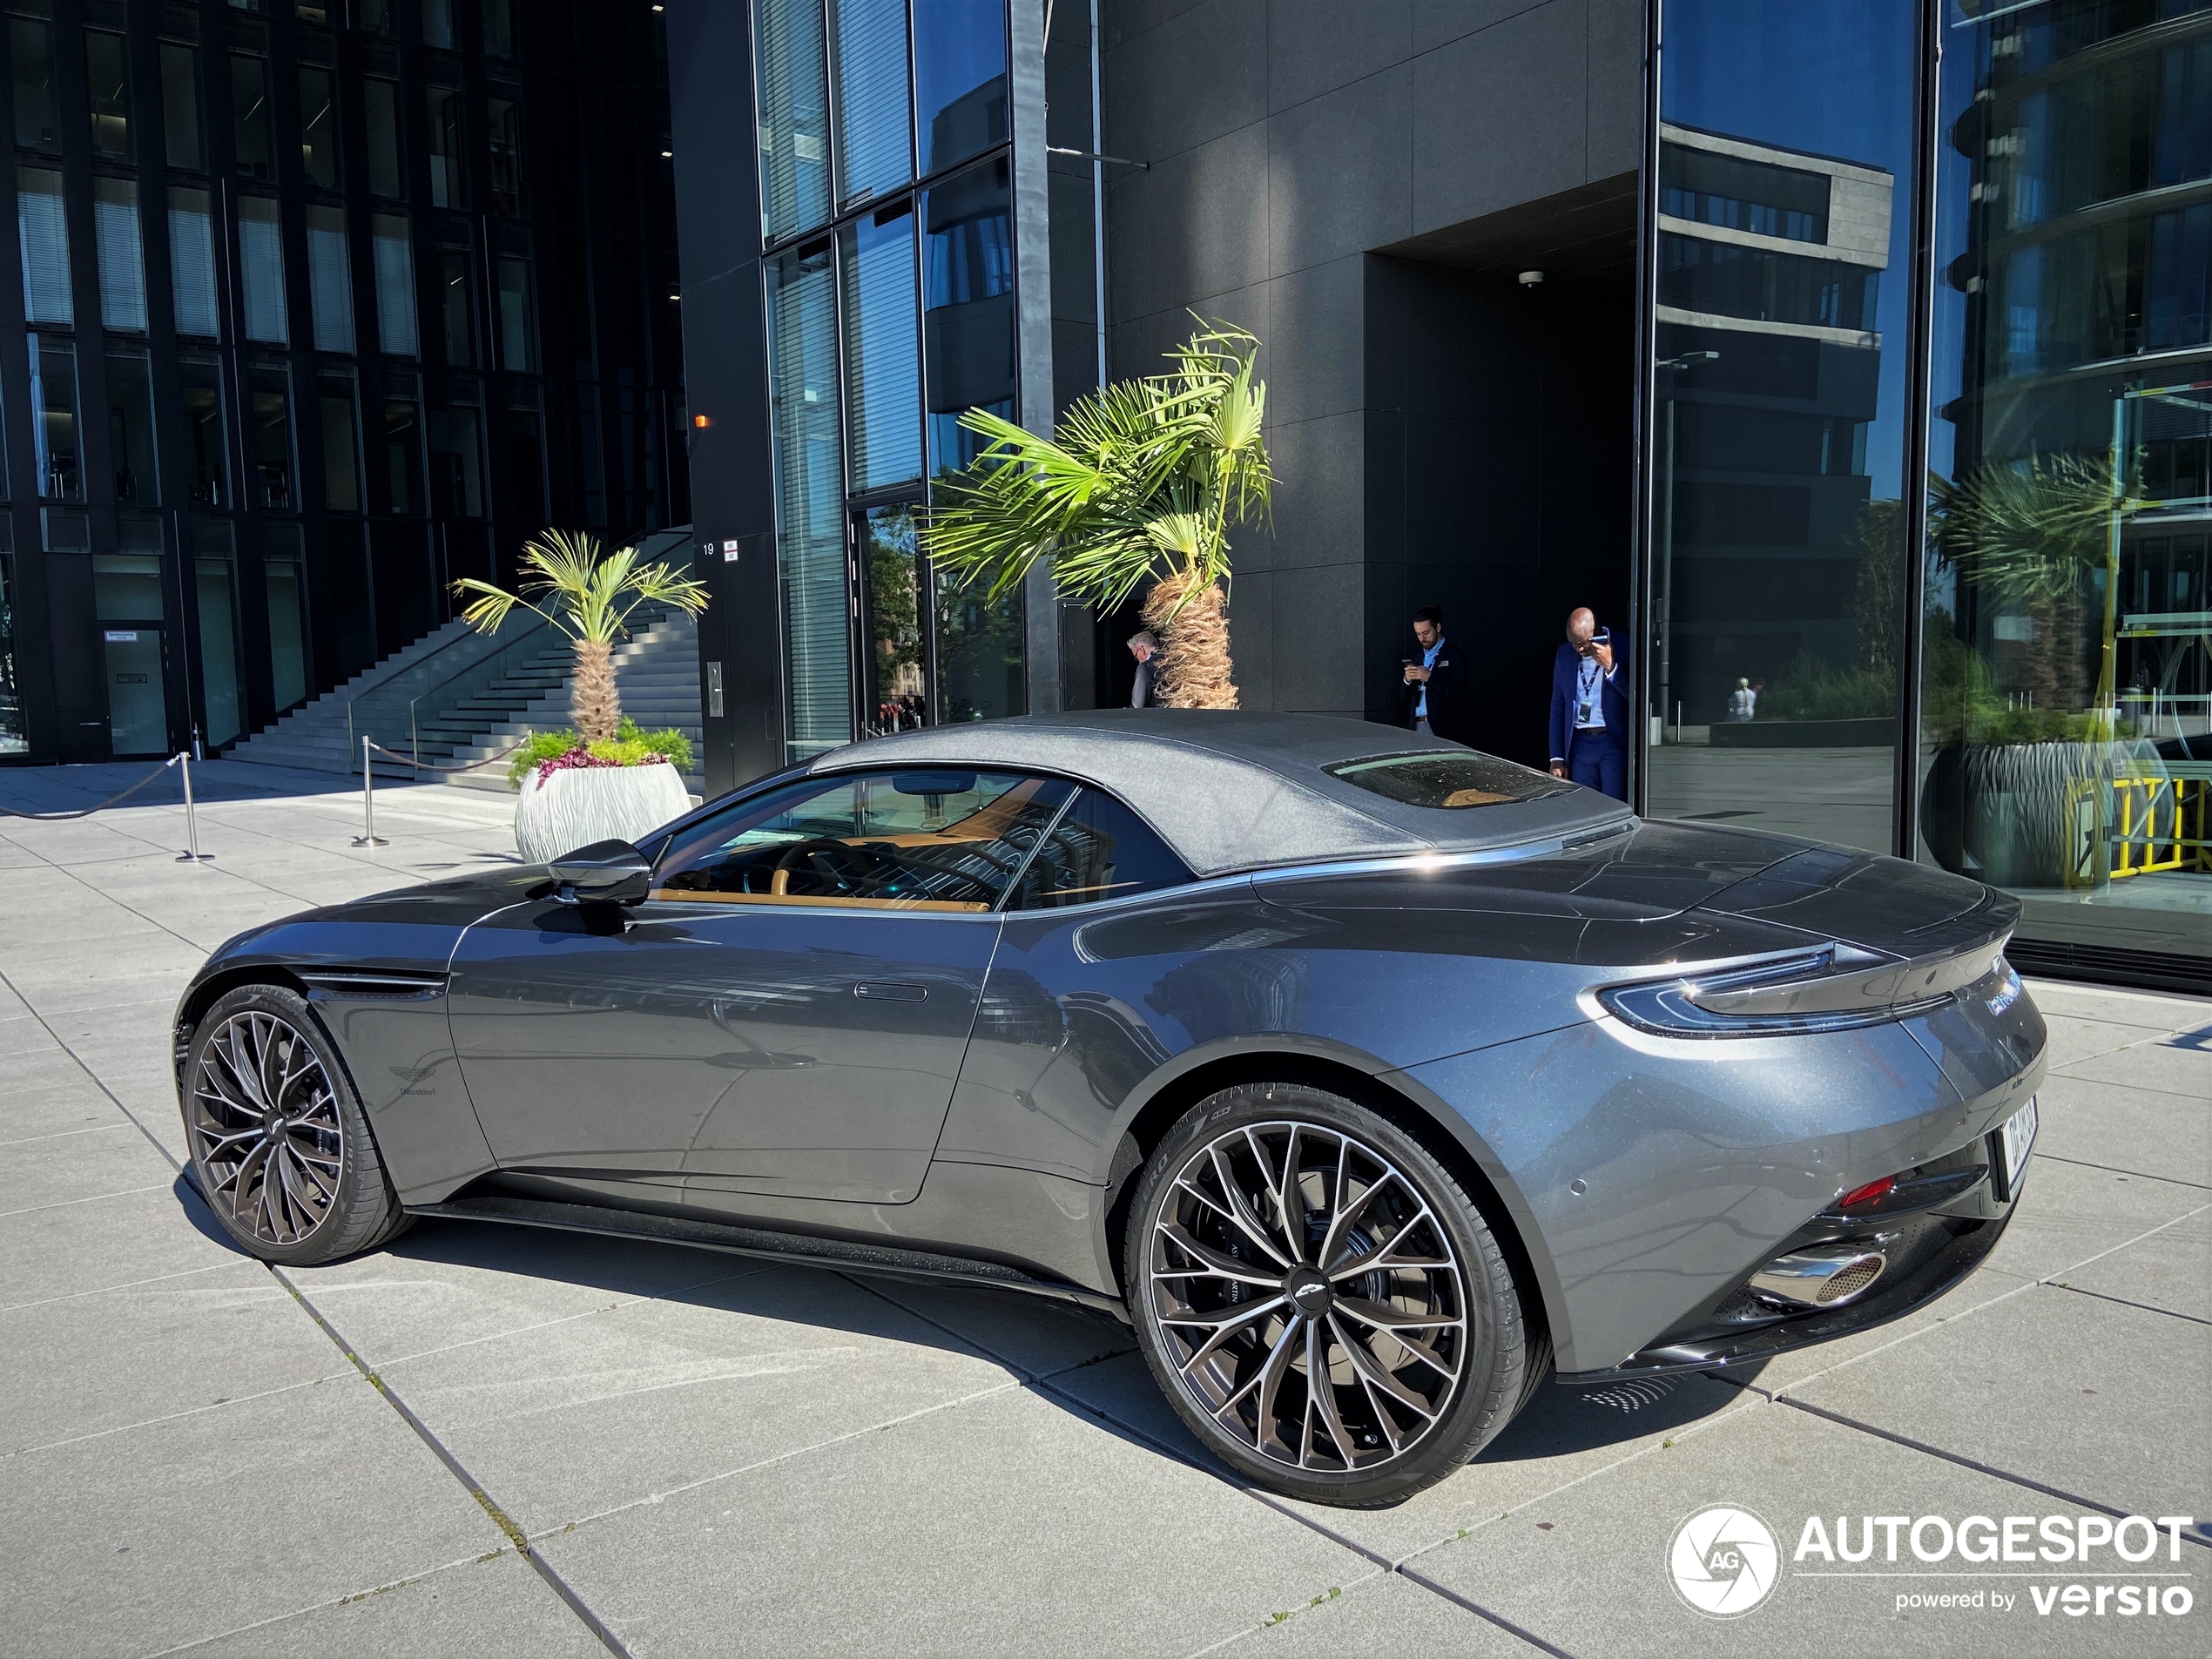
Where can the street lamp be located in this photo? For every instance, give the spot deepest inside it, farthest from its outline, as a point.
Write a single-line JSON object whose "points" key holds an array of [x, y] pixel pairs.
{"points": [[1666, 618]]}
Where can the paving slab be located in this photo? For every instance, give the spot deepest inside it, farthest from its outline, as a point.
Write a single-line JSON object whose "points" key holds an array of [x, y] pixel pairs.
{"points": [[2138, 1132], [650, 1396], [2027, 1386], [77, 1367], [1384, 1616], [492, 1607], [1008, 1525], [1590, 1573], [144, 1540], [2073, 1041], [2174, 1065], [66, 1250], [442, 1285], [2069, 1212], [1033, 1336], [2118, 1004], [69, 1169], [2171, 1270]]}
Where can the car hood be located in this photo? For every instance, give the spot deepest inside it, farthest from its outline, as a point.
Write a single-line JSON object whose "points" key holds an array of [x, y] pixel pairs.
{"points": [[409, 929]]}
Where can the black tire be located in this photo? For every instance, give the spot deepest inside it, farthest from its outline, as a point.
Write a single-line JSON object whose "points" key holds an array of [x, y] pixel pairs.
{"points": [[1219, 1301], [280, 1147]]}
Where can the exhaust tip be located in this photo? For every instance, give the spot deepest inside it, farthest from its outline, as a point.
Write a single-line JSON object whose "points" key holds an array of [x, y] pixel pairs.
{"points": [[1825, 1278]]}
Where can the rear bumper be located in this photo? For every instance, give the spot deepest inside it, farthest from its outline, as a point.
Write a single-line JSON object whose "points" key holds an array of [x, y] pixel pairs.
{"points": [[1950, 1262]]}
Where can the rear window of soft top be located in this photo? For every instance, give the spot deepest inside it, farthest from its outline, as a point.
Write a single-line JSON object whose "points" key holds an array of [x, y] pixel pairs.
{"points": [[1442, 779]]}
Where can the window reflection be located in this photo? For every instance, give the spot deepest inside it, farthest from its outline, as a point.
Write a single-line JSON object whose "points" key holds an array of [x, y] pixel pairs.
{"points": [[53, 414], [129, 415], [2066, 688], [882, 353], [794, 95], [960, 79], [968, 307], [894, 694], [811, 560], [874, 109], [1786, 142]]}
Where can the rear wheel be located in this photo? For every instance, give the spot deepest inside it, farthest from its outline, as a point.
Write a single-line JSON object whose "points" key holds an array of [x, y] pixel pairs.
{"points": [[279, 1145], [1320, 1299]]}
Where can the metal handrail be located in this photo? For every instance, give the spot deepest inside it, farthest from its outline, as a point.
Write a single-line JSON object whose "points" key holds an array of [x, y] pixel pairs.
{"points": [[415, 740], [387, 687]]}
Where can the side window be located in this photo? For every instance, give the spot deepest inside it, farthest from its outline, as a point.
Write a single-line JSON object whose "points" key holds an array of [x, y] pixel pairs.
{"points": [[925, 840], [1099, 849]]}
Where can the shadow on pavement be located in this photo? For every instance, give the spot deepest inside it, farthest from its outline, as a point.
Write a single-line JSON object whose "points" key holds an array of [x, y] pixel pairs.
{"points": [[1122, 1402]]}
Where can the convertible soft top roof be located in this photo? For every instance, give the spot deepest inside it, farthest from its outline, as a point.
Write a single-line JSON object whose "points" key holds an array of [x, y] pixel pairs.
{"points": [[1234, 791]]}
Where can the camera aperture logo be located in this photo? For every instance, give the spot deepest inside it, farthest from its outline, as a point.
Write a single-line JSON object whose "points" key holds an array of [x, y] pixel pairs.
{"points": [[1724, 1560]]}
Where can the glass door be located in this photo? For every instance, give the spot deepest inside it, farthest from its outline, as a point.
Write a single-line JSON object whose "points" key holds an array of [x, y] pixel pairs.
{"points": [[137, 713], [892, 643]]}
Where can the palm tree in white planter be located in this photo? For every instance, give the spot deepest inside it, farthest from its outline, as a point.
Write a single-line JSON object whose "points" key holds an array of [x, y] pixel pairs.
{"points": [[1139, 483], [607, 785]]}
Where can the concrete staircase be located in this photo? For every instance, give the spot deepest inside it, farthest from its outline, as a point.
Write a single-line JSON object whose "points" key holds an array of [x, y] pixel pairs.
{"points": [[324, 734], [456, 697], [656, 673]]}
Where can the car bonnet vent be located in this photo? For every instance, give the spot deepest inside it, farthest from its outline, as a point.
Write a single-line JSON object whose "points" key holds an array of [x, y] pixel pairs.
{"points": [[372, 981]]}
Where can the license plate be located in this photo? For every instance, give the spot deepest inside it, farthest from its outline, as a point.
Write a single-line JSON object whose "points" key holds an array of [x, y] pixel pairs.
{"points": [[2014, 1140]]}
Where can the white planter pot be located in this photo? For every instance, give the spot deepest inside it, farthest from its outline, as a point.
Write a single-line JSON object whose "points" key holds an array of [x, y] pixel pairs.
{"points": [[580, 805]]}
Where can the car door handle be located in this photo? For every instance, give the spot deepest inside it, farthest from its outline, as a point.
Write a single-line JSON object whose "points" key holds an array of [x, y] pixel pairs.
{"points": [[891, 990]]}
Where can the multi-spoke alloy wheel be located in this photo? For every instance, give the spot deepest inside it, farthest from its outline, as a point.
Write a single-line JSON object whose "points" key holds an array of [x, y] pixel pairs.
{"points": [[265, 1123], [279, 1144], [1320, 1297]]}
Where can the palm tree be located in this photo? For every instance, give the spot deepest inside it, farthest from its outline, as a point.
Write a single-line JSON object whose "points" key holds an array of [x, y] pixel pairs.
{"points": [[589, 597], [2034, 535], [1140, 482]]}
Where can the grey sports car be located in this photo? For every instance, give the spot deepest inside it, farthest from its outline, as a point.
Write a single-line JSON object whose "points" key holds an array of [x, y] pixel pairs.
{"points": [[1372, 1079]]}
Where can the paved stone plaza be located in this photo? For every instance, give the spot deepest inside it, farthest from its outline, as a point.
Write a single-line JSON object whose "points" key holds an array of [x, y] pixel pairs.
{"points": [[708, 1457]]}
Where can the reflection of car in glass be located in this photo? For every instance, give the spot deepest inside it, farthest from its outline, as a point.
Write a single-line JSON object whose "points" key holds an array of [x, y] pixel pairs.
{"points": [[1372, 1079]]}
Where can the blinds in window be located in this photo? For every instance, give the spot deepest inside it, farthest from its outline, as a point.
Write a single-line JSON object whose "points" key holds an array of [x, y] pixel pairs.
{"points": [[123, 266], [794, 117], [260, 264], [191, 262], [874, 118], [394, 286], [330, 279], [45, 245]]}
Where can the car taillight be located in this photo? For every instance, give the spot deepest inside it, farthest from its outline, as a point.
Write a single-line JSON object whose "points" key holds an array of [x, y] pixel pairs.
{"points": [[1831, 989]]}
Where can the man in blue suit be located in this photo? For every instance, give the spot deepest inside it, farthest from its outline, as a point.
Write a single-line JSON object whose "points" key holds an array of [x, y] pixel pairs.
{"points": [[1590, 708]]}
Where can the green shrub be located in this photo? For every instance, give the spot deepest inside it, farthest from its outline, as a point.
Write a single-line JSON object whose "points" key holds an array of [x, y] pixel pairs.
{"points": [[1810, 690], [628, 747]]}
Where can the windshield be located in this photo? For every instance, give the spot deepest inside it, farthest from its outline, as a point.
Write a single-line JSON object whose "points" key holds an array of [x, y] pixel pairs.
{"points": [[1447, 780]]}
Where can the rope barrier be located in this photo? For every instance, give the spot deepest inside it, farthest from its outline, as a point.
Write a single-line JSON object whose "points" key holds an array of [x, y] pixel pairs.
{"points": [[192, 854], [63, 817], [368, 837], [424, 766]]}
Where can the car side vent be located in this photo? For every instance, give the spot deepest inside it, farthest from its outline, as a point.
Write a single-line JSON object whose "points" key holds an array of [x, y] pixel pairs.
{"points": [[372, 981]]}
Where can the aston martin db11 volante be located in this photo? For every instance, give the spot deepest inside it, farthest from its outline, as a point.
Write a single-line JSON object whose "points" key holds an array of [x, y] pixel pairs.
{"points": [[1373, 1080]]}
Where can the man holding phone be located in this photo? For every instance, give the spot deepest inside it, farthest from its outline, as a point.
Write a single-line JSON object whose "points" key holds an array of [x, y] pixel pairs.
{"points": [[1590, 719], [1432, 686]]}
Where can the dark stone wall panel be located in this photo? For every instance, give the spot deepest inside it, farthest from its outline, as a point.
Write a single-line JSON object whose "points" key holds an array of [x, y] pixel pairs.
{"points": [[1314, 46], [1339, 172]]}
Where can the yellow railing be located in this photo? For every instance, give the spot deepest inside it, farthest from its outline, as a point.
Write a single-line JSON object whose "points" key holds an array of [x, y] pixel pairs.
{"points": [[2159, 823]]}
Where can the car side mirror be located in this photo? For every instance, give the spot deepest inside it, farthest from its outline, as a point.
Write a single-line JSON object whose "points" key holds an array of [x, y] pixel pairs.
{"points": [[604, 873]]}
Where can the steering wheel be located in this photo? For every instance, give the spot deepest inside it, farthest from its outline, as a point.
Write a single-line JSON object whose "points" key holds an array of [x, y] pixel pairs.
{"points": [[846, 867]]}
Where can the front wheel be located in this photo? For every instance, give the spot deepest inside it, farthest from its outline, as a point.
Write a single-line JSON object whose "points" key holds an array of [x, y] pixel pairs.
{"points": [[1322, 1302], [279, 1145]]}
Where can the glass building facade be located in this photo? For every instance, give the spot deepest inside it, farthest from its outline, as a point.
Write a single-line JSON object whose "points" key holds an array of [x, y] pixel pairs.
{"points": [[322, 307], [1929, 451], [887, 237]]}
